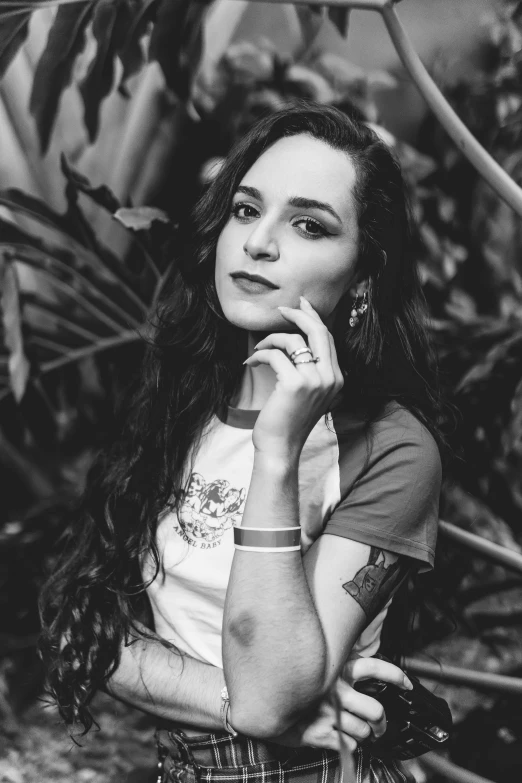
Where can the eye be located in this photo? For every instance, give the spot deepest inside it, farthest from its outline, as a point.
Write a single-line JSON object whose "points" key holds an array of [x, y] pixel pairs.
{"points": [[244, 212], [313, 229]]}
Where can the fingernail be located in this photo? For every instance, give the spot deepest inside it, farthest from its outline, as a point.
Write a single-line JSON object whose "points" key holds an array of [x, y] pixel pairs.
{"points": [[408, 684], [282, 307], [246, 360]]}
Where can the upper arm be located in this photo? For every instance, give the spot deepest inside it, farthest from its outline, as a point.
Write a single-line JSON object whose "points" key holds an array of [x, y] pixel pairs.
{"points": [[383, 528], [350, 583]]}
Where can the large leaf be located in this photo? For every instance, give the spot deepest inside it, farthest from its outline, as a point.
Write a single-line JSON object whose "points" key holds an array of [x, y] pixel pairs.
{"points": [[80, 302], [12, 327], [340, 17], [54, 71], [101, 195], [176, 41], [15, 199], [105, 198], [14, 28], [135, 20], [503, 357], [141, 218], [108, 28], [311, 20], [70, 230]]}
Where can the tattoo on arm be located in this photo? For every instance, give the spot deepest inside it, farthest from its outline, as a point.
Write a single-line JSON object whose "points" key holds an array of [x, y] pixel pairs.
{"points": [[375, 583]]}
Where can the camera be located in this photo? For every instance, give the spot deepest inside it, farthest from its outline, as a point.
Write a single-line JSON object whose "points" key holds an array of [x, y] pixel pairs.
{"points": [[418, 721]]}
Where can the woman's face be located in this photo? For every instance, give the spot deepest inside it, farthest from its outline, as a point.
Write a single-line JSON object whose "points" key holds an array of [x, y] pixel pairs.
{"points": [[293, 222]]}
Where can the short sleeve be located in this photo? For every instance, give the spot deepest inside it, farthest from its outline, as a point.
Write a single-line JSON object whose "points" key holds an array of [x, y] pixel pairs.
{"points": [[394, 503]]}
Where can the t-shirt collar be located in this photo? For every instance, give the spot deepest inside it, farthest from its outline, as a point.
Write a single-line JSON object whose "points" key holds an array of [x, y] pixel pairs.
{"points": [[240, 418]]}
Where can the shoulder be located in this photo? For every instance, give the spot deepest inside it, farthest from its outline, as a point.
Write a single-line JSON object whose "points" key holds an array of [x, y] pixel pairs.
{"points": [[395, 452], [398, 430], [390, 477]]}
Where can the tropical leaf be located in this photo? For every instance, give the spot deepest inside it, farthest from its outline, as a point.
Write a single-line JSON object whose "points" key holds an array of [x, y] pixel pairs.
{"points": [[75, 238], [503, 358], [108, 29], [176, 41], [311, 20], [17, 200], [12, 233], [81, 288], [54, 70], [136, 20], [141, 218], [82, 300], [14, 29], [18, 364], [340, 17], [101, 194], [75, 318]]}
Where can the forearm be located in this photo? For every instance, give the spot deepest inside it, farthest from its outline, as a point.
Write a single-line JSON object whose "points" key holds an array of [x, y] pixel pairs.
{"points": [[273, 645], [165, 684]]}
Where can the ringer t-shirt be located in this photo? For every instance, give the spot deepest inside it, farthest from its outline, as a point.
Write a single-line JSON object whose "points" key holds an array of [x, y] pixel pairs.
{"points": [[379, 486]]}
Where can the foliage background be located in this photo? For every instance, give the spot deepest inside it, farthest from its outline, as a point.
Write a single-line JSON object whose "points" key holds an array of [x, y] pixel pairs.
{"points": [[121, 131]]}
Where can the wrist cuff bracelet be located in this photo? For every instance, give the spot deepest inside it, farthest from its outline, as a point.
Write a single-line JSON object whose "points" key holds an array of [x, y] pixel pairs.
{"points": [[225, 707], [263, 539]]}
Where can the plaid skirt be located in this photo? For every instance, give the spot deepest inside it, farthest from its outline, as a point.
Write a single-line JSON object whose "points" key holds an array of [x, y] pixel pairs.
{"points": [[222, 758]]}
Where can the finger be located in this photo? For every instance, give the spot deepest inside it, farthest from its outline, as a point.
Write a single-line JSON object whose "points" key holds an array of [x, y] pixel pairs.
{"points": [[278, 361], [339, 378], [286, 370], [323, 734], [308, 308], [354, 727], [285, 342], [335, 363], [374, 668], [334, 739], [317, 338], [364, 707]]}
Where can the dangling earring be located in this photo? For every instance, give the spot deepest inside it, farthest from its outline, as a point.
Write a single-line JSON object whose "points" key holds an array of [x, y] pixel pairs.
{"points": [[358, 310]]}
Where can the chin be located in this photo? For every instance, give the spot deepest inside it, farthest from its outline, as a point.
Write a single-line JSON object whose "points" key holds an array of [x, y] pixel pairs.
{"points": [[254, 319]]}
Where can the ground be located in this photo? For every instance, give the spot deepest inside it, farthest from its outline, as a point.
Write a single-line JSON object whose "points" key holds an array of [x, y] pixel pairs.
{"points": [[40, 751]]}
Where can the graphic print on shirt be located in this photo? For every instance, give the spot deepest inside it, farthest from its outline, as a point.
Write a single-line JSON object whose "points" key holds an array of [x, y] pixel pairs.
{"points": [[208, 510]]}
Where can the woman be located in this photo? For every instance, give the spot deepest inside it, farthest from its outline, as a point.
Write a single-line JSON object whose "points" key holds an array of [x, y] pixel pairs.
{"points": [[276, 477]]}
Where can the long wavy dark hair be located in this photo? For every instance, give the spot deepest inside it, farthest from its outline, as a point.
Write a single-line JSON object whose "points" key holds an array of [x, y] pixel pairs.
{"points": [[192, 368]]}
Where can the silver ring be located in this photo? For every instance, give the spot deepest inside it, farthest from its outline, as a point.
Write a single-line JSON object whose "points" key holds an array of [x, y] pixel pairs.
{"points": [[308, 361], [298, 351]]}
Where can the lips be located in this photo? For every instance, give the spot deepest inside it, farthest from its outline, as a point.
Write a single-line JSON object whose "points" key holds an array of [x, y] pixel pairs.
{"points": [[253, 278]]}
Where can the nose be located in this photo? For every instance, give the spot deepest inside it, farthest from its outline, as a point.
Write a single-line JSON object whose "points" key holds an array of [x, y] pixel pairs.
{"points": [[261, 244]]}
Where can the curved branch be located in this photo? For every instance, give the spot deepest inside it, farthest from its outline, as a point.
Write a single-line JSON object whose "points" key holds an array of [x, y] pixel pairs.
{"points": [[482, 161], [498, 554], [460, 676]]}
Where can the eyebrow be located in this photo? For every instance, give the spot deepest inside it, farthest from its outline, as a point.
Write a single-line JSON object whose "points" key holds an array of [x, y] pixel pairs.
{"points": [[295, 201]]}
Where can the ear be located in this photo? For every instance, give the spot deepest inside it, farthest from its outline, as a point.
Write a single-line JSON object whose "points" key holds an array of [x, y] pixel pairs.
{"points": [[358, 287]]}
